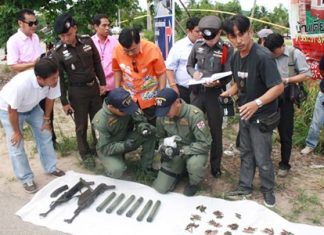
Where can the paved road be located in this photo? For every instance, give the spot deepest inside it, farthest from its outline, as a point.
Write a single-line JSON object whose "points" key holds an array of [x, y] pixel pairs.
{"points": [[11, 224]]}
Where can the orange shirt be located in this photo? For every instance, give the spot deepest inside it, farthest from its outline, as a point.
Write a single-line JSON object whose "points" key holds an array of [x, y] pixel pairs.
{"points": [[149, 63]]}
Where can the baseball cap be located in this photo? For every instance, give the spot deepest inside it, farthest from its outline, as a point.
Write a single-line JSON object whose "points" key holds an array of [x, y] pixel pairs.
{"points": [[263, 33], [122, 100], [164, 99], [63, 23]]}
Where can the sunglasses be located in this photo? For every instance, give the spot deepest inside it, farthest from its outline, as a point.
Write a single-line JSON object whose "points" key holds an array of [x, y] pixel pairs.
{"points": [[31, 23], [134, 66]]}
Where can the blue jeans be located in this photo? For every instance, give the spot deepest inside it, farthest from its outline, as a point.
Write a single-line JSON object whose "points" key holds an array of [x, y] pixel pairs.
{"points": [[255, 148], [43, 140], [317, 122]]}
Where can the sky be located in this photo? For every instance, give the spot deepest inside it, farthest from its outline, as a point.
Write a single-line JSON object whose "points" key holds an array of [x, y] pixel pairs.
{"points": [[246, 4]]}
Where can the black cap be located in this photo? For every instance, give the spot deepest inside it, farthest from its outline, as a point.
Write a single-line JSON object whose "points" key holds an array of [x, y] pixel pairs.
{"points": [[63, 23], [122, 100], [164, 99]]}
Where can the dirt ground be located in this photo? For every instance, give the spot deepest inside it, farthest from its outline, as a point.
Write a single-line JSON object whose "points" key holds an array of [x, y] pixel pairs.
{"points": [[300, 196]]}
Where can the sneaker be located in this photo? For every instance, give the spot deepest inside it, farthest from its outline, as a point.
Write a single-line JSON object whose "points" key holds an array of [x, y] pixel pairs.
{"points": [[307, 150], [283, 173], [190, 190], [238, 194], [57, 173], [30, 187], [269, 199]]}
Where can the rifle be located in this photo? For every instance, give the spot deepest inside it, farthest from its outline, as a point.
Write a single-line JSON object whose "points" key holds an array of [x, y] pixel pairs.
{"points": [[87, 198], [68, 195]]}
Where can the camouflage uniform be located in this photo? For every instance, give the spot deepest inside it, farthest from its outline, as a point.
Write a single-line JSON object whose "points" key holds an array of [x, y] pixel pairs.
{"points": [[191, 126], [113, 131]]}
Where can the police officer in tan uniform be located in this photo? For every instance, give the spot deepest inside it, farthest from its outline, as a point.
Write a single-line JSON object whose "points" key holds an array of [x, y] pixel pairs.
{"points": [[80, 66], [212, 55], [185, 145]]}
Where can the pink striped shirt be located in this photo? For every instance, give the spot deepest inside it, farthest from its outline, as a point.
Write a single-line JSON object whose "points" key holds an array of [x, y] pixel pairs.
{"points": [[23, 49], [105, 50]]}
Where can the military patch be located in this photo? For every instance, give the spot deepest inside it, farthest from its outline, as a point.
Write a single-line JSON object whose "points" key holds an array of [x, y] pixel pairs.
{"points": [[201, 125], [184, 122], [195, 111], [112, 121]]}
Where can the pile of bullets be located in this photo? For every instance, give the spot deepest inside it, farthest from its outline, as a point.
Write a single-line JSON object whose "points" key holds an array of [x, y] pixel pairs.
{"points": [[114, 203]]}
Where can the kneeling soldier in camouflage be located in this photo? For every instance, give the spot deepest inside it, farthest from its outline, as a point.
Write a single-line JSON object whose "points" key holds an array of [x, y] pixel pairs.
{"points": [[117, 136], [187, 144]]}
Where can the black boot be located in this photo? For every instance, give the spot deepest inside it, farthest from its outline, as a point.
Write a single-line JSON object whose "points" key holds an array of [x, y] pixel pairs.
{"points": [[190, 190]]}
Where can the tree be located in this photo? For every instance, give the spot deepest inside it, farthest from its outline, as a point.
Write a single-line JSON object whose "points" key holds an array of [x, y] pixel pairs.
{"points": [[81, 10]]}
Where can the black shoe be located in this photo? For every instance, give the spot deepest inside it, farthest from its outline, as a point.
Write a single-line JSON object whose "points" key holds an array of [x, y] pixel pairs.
{"points": [[190, 190], [58, 173], [238, 194], [30, 187], [216, 173], [269, 199]]}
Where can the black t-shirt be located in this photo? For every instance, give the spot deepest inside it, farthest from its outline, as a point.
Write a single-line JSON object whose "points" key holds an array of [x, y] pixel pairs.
{"points": [[254, 75]]}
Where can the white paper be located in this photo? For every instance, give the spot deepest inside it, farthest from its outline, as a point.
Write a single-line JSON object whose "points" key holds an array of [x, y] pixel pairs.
{"points": [[214, 77], [172, 218]]}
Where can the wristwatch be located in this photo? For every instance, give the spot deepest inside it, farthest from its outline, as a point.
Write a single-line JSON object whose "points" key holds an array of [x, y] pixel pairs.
{"points": [[259, 102]]}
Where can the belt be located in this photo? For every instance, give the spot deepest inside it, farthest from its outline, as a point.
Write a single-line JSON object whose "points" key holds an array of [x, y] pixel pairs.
{"points": [[82, 84]]}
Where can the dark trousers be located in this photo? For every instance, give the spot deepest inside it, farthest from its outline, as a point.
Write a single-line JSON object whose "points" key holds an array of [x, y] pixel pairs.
{"points": [[207, 100], [285, 128], [42, 105], [255, 148], [184, 93], [86, 102]]}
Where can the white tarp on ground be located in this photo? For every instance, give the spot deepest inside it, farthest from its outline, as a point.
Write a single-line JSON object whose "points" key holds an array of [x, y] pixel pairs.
{"points": [[172, 218]]}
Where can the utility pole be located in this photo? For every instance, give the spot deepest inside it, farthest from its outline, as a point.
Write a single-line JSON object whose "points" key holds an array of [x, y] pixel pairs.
{"points": [[149, 17]]}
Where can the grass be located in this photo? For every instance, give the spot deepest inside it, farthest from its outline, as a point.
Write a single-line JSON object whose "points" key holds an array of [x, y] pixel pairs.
{"points": [[309, 204]]}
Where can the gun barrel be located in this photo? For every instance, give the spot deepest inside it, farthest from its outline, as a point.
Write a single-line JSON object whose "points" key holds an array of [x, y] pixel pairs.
{"points": [[133, 209], [145, 210], [113, 206], [129, 201], [106, 202], [154, 211]]}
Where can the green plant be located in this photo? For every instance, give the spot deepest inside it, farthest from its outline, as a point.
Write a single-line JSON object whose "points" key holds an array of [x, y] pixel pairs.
{"points": [[303, 118]]}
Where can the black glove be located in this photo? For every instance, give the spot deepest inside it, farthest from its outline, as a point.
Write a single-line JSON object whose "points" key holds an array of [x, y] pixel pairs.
{"points": [[129, 145], [168, 153], [146, 129]]}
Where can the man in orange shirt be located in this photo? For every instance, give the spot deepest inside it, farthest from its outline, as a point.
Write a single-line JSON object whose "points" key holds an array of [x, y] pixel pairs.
{"points": [[139, 68]]}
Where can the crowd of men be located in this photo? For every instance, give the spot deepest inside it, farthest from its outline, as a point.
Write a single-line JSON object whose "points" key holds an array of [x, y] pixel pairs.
{"points": [[122, 87]]}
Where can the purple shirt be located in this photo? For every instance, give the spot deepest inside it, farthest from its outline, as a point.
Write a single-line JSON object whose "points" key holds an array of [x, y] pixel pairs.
{"points": [[105, 50], [23, 49]]}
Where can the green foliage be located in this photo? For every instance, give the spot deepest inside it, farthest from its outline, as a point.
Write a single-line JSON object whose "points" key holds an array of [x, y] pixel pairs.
{"points": [[303, 118], [149, 35], [47, 11]]}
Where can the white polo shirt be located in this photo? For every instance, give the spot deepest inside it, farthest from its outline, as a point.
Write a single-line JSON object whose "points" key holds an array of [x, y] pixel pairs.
{"points": [[177, 60], [23, 92]]}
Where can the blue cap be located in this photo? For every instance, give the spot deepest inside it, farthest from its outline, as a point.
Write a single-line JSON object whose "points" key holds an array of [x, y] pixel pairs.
{"points": [[122, 100], [164, 99]]}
